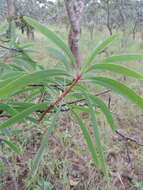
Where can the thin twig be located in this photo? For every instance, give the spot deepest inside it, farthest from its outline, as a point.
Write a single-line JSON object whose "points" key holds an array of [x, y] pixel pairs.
{"points": [[11, 49], [74, 102], [52, 85], [64, 108], [41, 99], [109, 102], [127, 151], [61, 97], [128, 138], [82, 99]]}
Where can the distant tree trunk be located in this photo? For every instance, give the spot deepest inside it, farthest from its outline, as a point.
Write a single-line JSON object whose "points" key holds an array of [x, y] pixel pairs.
{"points": [[11, 14], [91, 30], [11, 8], [134, 30], [109, 26], [74, 10], [142, 36], [109, 29]]}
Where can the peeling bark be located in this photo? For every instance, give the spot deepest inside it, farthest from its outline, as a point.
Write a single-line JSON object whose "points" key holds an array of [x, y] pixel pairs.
{"points": [[74, 10], [11, 14], [11, 8]]}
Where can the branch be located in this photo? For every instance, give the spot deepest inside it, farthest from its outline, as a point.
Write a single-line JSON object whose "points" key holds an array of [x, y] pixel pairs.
{"points": [[58, 86], [82, 99], [11, 49], [128, 138], [64, 108], [60, 98]]}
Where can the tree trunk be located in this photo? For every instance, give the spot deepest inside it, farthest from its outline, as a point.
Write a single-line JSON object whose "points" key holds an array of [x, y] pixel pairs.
{"points": [[11, 14], [108, 19], [11, 8], [109, 29], [134, 30], [74, 10]]}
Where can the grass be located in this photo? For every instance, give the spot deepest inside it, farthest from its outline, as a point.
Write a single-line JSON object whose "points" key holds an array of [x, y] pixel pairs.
{"points": [[67, 163]]}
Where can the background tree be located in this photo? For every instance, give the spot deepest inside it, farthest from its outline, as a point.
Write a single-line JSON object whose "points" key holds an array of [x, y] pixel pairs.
{"points": [[74, 10], [11, 15]]}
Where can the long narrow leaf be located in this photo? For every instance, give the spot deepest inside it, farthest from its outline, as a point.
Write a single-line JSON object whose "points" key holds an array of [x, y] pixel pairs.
{"points": [[105, 110], [18, 117], [117, 69], [11, 74], [97, 50], [7, 109], [57, 54], [12, 146], [120, 89], [52, 36], [88, 139], [27, 79], [7, 81], [4, 66], [96, 135], [39, 155], [122, 58]]}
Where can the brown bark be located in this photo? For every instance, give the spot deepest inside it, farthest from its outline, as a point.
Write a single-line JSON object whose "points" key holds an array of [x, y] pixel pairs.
{"points": [[60, 98], [74, 10], [11, 8], [109, 26], [11, 14]]}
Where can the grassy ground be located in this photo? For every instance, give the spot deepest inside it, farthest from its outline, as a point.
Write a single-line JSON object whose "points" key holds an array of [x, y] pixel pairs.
{"points": [[67, 164]]}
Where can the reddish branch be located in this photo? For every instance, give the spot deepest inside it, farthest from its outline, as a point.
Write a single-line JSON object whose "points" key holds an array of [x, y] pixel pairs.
{"points": [[60, 98], [74, 10], [64, 107]]}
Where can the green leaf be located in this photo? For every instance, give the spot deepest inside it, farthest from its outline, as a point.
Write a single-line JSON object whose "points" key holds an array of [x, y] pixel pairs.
{"points": [[56, 53], [22, 105], [83, 109], [24, 57], [101, 46], [105, 110], [39, 155], [26, 45], [96, 135], [7, 109], [11, 74], [88, 139], [52, 36], [122, 58], [12, 146], [18, 68], [117, 69], [3, 83], [4, 66], [120, 89], [18, 117], [27, 79], [10, 131]]}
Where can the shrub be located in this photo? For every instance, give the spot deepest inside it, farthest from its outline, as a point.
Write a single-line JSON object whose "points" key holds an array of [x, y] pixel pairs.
{"points": [[20, 79]]}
